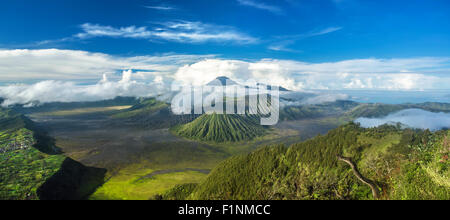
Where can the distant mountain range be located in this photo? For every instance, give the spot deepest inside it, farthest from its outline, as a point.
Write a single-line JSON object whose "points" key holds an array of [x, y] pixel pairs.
{"points": [[152, 113], [223, 80]]}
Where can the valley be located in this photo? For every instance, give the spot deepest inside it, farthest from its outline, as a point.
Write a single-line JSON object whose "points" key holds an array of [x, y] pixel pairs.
{"points": [[254, 100], [131, 151], [156, 160]]}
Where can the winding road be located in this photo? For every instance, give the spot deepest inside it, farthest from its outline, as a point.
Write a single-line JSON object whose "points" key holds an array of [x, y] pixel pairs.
{"points": [[370, 183]]}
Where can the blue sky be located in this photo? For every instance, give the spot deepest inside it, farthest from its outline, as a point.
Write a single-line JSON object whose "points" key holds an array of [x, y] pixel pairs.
{"points": [[127, 47], [307, 30]]}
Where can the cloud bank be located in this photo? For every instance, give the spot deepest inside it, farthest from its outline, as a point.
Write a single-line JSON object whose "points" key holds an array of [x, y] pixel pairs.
{"points": [[55, 64], [310, 98], [367, 74], [58, 91], [54, 68], [415, 118]]}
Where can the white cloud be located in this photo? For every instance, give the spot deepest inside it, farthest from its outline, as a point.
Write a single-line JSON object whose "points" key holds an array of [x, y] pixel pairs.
{"points": [[327, 97], [415, 118], [262, 6], [285, 41], [382, 74], [61, 71], [180, 31], [283, 46], [409, 81], [373, 65], [54, 64], [205, 71], [95, 30], [59, 91], [164, 8], [310, 98], [355, 83], [323, 31]]}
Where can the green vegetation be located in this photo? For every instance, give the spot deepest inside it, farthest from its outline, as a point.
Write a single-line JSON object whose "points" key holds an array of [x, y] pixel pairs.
{"points": [[374, 110], [63, 106], [426, 169], [179, 192], [405, 164], [221, 128], [137, 183], [314, 111], [145, 106], [380, 110], [149, 113], [23, 169], [350, 110], [277, 177], [152, 173], [30, 167]]}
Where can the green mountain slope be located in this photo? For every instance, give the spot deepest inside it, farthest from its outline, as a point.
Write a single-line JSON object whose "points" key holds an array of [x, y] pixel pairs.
{"points": [[318, 110], [29, 160], [380, 110], [144, 106], [353, 110], [405, 164], [221, 128], [151, 113]]}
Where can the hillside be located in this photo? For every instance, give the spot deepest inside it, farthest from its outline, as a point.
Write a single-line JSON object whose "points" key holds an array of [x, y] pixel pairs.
{"points": [[380, 110], [318, 110], [151, 113], [144, 106], [32, 168], [404, 164], [61, 106], [221, 128], [353, 110]]}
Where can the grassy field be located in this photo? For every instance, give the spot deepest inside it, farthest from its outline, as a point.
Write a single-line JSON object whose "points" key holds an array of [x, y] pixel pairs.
{"points": [[135, 183]]}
